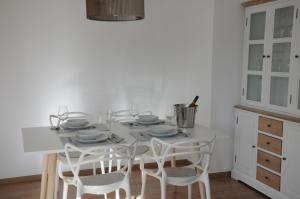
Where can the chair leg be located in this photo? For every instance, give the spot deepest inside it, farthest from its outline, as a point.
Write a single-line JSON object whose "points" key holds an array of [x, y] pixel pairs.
{"points": [[78, 193], [144, 181], [207, 187], [163, 190], [94, 169], [102, 167], [189, 191], [118, 194], [65, 191], [127, 189], [118, 168]]}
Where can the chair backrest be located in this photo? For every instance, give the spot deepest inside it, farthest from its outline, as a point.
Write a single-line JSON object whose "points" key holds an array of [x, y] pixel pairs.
{"points": [[123, 154], [126, 115], [122, 115], [199, 152]]}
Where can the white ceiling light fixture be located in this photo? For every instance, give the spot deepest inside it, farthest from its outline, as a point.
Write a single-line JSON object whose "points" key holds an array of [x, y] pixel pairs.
{"points": [[115, 10]]}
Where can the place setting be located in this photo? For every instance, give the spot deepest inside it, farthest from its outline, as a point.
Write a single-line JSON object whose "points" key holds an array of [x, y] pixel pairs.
{"points": [[92, 137], [163, 131]]}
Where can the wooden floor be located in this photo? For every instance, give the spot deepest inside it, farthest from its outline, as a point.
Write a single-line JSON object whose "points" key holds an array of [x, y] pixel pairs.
{"points": [[222, 188]]}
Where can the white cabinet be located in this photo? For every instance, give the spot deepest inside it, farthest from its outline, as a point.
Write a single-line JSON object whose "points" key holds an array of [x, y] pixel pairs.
{"points": [[291, 164], [267, 147], [271, 56], [245, 138]]}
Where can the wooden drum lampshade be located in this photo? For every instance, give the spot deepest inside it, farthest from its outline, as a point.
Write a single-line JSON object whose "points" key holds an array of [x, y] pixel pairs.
{"points": [[115, 10]]}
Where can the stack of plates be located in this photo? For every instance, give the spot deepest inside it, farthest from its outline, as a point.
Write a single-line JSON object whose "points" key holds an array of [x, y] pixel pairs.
{"points": [[76, 123], [148, 119], [90, 136], [163, 131]]}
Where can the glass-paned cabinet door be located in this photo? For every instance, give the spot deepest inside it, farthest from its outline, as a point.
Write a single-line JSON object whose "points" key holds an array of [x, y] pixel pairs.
{"points": [[255, 55], [281, 45]]}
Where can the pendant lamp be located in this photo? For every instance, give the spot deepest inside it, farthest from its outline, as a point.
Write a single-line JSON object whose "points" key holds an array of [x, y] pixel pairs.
{"points": [[115, 10]]}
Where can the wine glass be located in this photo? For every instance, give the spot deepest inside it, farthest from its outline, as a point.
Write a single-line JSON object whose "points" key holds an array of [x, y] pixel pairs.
{"points": [[106, 119], [134, 111], [170, 114], [62, 112]]}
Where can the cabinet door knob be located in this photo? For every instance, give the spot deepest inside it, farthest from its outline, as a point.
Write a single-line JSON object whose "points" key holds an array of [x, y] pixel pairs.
{"points": [[267, 160], [253, 146], [269, 125], [264, 56], [266, 177], [268, 56], [296, 56], [284, 158], [268, 143]]}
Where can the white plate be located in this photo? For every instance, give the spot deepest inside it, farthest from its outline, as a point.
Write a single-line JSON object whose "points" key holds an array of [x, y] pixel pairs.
{"points": [[76, 122], [147, 118], [162, 129], [170, 134], [101, 138], [89, 134], [148, 123], [67, 126]]}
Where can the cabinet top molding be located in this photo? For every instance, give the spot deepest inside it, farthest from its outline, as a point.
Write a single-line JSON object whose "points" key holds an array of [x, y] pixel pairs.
{"points": [[269, 113], [255, 2]]}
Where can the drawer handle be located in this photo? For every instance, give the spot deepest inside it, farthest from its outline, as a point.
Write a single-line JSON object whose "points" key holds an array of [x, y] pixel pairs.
{"points": [[269, 125], [266, 177], [267, 160], [268, 143]]}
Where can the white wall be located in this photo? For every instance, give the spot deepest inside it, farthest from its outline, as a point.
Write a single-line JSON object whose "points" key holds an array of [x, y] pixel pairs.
{"points": [[50, 55], [226, 77]]}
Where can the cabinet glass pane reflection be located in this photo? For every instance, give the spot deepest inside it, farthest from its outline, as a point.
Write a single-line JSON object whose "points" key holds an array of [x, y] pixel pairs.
{"points": [[279, 91], [254, 85], [257, 26], [283, 24], [281, 57], [255, 60]]}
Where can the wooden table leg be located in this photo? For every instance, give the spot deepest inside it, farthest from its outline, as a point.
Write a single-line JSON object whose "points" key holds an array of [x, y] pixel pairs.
{"points": [[52, 162], [44, 177], [173, 160]]}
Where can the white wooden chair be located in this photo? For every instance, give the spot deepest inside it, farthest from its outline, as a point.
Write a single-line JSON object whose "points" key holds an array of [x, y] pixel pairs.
{"points": [[101, 183], [63, 162], [199, 153]]}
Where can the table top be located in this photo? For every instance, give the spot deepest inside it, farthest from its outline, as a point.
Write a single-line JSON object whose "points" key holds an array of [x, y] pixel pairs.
{"points": [[45, 141]]}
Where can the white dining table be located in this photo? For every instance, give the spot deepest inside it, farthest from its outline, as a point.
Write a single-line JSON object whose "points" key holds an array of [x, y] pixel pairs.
{"points": [[48, 142]]}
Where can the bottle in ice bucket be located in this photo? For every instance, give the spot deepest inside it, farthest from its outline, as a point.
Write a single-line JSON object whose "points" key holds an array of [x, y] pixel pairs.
{"points": [[185, 115]]}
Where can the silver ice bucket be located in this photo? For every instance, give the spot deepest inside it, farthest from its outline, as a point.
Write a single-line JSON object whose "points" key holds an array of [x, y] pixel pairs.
{"points": [[185, 116]]}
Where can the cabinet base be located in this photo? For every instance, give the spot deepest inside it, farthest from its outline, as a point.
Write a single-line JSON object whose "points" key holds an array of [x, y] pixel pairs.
{"points": [[237, 175]]}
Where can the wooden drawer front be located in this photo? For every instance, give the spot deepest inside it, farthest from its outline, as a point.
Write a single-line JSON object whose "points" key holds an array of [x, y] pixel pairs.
{"points": [[267, 125], [271, 144], [269, 161], [268, 178]]}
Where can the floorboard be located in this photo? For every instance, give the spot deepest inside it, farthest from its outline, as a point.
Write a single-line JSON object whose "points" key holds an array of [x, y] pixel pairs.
{"points": [[221, 188]]}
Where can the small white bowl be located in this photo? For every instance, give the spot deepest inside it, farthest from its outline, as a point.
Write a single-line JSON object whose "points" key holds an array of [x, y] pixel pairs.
{"points": [[90, 134], [147, 118]]}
